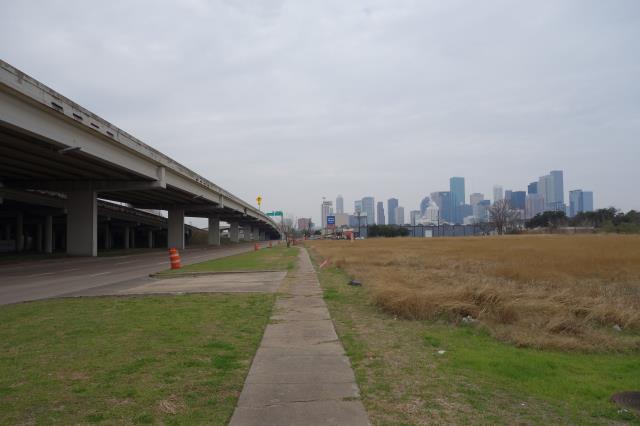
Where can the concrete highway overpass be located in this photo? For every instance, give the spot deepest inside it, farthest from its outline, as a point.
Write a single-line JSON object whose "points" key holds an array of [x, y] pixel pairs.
{"points": [[51, 147]]}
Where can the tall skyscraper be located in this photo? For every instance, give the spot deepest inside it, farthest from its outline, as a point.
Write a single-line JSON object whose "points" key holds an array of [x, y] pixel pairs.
{"points": [[580, 201], [558, 187], [458, 196], [357, 206], [369, 207], [517, 200], [545, 188], [380, 215], [507, 195], [392, 205], [551, 187], [532, 188], [456, 187], [326, 209], [399, 215], [445, 205], [498, 193], [339, 204], [587, 201]]}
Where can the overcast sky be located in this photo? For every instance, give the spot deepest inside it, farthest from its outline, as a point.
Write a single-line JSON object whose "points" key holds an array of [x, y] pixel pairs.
{"points": [[296, 100]]}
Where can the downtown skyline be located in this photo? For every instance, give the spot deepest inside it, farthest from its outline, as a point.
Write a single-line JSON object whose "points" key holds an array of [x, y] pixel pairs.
{"points": [[546, 192]]}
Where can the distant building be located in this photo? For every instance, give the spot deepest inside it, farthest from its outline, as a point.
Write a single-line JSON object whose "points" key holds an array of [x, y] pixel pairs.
{"points": [[435, 198], [534, 204], [587, 201], [356, 220], [424, 204], [551, 187], [392, 205], [431, 215], [517, 200], [474, 200], [482, 210], [357, 206], [464, 210], [532, 188], [304, 223], [342, 220], [380, 213], [507, 195], [445, 205], [399, 215], [369, 207], [498, 193], [414, 217], [456, 187], [580, 201], [339, 204], [557, 179], [326, 209], [458, 197]]}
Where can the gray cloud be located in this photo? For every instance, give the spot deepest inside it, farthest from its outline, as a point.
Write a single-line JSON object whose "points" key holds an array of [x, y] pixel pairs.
{"points": [[299, 100]]}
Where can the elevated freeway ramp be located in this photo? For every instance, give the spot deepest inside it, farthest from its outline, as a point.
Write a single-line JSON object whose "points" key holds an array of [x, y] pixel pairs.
{"points": [[50, 144]]}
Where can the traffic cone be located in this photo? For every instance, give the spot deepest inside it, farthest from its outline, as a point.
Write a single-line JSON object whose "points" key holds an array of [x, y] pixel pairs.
{"points": [[174, 258]]}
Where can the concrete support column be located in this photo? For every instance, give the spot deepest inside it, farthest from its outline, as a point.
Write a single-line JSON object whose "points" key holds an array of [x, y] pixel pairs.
{"points": [[262, 236], [7, 231], [246, 230], [176, 228], [214, 231], [39, 238], [255, 234], [107, 236], [20, 232], [234, 232], [82, 223], [150, 238], [126, 237]]}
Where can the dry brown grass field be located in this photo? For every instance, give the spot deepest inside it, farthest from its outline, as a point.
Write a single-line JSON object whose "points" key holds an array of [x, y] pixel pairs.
{"points": [[577, 292]]}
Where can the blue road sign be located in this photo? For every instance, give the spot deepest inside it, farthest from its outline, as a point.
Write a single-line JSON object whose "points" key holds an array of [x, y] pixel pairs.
{"points": [[331, 220]]}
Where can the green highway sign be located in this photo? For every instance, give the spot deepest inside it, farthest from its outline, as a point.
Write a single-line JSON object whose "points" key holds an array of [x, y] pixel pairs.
{"points": [[276, 213]]}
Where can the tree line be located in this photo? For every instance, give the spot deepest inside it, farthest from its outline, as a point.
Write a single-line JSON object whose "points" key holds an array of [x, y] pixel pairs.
{"points": [[607, 220]]}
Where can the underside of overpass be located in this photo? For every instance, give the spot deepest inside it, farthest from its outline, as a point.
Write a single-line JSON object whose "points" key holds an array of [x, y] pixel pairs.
{"points": [[57, 160]]}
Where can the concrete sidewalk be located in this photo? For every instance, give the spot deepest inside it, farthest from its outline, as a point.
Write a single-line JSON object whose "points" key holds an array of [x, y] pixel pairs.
{"points": [[300, 374]]}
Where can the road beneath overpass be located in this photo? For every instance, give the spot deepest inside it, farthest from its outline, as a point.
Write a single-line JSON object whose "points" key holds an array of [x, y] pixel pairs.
{"points": [[69, 276]]}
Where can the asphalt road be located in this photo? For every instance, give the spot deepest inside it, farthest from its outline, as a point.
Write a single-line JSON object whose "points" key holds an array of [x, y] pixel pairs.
{"points": [[43, 279]]}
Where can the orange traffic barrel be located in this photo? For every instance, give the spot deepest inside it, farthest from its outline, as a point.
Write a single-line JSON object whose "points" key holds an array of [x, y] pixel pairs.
{"points": [[256, 247], [174, 258], [270, 244]]}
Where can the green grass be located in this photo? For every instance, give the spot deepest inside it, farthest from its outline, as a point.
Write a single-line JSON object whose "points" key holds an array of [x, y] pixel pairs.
{"points": [[404, 379], [128, 360], [276, 258]]}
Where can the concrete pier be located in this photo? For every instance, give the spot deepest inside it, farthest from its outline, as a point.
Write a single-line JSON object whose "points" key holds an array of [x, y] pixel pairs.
{"points": [[176, 228], [214, 231], [82, 223]]}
